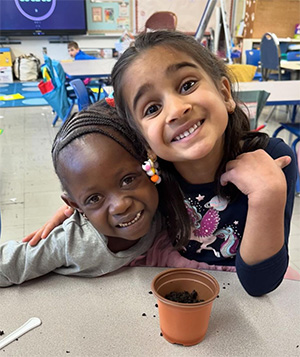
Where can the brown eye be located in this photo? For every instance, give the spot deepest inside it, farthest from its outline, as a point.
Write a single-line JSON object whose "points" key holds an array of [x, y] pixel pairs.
{"points": [[128, 180], [187, 86], [93, 200], [152, 109]]}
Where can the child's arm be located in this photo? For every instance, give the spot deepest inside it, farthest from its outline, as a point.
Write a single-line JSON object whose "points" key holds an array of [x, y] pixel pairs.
{"points": [[163, 254], [262, 258], [73, 248], [60, 215], [20, 262], [261, 178], [68, 250]]}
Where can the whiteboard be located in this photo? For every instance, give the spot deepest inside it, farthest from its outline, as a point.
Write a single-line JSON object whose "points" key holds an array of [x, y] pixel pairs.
{"points": [[189, 12]]}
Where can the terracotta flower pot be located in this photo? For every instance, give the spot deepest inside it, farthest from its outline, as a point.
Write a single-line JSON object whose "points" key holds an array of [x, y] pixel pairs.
{"points": [[184, 323]]}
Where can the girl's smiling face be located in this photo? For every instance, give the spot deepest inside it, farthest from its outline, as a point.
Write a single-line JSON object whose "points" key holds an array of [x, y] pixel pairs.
{"points": [[179, 109], [109, 186]]}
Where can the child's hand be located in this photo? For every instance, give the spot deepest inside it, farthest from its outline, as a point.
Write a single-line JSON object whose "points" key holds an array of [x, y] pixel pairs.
{"points": [[256, 174], [58, 218], [261, 178]]}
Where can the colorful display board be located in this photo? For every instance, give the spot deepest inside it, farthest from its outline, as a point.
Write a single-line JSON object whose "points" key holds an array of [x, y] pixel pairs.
{"points": [[105, 17]]}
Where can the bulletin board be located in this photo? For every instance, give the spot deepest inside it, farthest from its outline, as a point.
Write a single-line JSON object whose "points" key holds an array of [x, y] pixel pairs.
{"points": [[107, 17], [279, 17], [188, 12]]}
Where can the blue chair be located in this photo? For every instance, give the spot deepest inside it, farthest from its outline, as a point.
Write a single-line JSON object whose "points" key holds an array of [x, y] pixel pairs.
{"points": [[293, 128], [82, 95], [253, 58], [270, 57]]}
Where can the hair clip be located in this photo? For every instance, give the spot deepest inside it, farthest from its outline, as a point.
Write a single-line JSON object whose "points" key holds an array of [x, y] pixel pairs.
{"points": [[110, 101], [152, 169]]}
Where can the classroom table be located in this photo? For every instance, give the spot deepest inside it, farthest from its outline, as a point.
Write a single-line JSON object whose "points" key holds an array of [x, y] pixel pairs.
{"points": [[82, 69], [281, 92], [293, 67], [115, 315], [89, 68]]}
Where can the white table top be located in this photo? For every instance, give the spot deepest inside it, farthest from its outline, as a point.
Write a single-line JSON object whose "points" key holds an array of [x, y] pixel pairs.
{"points": [[280, 39], [281, 92], [88, 68], [290, 65], [103, 317]]}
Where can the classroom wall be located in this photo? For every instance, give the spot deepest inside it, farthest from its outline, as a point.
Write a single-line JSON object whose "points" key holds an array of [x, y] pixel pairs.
{"points": [[189, 13]]}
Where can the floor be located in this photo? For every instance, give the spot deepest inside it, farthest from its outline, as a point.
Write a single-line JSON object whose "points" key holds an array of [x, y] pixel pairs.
{"points": [[29, 189]]}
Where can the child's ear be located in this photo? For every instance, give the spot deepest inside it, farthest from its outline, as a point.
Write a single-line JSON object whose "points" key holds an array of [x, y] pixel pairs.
{"points": [[227, 95], [70, 203]]}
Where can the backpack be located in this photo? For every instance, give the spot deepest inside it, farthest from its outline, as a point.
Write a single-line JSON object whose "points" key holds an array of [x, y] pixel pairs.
{"points": [[27, 67]]}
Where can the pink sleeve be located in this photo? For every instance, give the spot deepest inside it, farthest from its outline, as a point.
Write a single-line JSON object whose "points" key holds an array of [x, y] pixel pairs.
{"points": [[163, 254]]}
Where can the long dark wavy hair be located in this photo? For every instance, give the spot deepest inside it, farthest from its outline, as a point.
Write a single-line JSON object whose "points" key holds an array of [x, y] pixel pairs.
{"points": [[237, 137], [101, 118]]}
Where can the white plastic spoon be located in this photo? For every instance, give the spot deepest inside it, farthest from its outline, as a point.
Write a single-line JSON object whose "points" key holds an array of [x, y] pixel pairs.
{"points": [[29, 325]]}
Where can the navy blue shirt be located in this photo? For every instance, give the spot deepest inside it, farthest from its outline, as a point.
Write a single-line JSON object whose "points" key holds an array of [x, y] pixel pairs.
{"points": [[218, 227]]}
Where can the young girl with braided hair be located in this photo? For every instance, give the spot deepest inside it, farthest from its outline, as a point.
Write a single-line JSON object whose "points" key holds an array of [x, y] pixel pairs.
{"points": [[117, 217], [178, 96]]}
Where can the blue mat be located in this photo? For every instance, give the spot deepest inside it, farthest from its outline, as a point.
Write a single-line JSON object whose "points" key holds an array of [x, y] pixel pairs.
{"points": [[29, 90]]}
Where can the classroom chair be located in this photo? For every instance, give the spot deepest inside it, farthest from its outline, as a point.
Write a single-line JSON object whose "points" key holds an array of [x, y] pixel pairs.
{"points": [[253, 58], [83, 97], [161, 20], [293, 128], [270, 62], [270, 57]]}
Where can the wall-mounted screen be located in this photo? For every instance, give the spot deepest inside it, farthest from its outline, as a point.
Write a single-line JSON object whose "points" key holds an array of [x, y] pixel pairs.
{"points": [[42, 17]]}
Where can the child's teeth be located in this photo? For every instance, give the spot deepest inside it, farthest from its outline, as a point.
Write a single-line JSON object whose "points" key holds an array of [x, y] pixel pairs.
{"points": [[188, 132], [133, 221]]}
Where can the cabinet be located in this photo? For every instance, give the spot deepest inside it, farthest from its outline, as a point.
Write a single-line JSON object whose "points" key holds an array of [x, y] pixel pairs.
{"points": [[250, 43]]}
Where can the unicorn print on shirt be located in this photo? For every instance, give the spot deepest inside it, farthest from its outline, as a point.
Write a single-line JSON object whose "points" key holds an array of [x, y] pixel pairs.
{"points": [[205, 228]]}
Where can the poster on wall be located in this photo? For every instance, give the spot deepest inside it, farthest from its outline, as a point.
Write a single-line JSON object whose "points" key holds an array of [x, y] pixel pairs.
{"points": [[105, 17], [109, 15], [97, 14]]}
